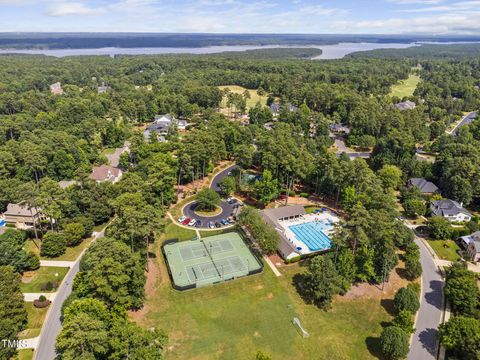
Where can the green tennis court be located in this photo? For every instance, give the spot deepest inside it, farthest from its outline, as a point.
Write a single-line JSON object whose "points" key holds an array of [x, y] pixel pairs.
{"points": [[209, 260]]}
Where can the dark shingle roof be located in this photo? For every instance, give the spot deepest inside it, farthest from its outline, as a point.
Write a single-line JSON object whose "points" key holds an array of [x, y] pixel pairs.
{"points": [[425, 186], [448, 207]]}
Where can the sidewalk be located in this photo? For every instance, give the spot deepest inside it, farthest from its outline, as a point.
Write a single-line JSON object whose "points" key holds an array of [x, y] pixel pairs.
{"points": [[30, 297], [57, 263], [29, 343]]}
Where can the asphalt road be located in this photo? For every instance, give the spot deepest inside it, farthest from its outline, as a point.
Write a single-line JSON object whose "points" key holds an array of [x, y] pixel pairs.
{"points": [[227, 209], [425, 339], [468, 119], [52, 326]]}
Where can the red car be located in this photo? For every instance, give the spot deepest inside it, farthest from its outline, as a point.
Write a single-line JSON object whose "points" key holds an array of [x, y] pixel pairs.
{"points": [[186, 221]]}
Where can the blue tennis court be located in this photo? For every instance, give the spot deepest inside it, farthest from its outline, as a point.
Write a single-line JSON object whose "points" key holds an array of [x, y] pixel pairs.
{"points": [[312, 234]]}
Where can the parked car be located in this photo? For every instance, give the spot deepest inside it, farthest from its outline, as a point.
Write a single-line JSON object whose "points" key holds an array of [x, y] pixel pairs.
{"points": [[211, 225], [192, 222], [198, 223], [231, 219], [186, 221], [217, 224], [232, 200], [224, 222], [182, 219]]}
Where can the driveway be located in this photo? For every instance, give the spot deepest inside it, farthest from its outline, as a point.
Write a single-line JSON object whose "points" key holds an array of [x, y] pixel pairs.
{"points": [[227, 209], [52, 325], [467, 119], [425, 339], [114, 159]]}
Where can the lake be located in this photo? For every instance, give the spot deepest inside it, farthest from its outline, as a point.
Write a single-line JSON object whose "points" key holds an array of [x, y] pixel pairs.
{"points": [[337, 51]]}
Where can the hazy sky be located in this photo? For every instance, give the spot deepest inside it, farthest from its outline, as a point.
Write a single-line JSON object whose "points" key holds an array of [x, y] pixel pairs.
{"points": [[242, 16]]}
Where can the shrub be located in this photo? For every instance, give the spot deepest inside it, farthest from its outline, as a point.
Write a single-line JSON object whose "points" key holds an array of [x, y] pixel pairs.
{"points": [[394, 343], [406, 299], [404, 320], [304, 195], [41, 302], [53, 244], [33, 261]]}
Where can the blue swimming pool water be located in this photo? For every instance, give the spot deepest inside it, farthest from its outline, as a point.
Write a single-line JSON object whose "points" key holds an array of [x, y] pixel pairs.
{"points": [[312, 235]]}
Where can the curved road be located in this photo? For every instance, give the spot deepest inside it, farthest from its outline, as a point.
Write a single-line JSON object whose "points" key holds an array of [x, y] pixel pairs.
{"points": [[425, 339], [227, 209], [52, 325]]}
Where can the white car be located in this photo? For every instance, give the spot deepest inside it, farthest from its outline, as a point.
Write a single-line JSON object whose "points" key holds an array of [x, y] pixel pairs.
{"points": [[192, 222], [182, 219], [211, 225]]}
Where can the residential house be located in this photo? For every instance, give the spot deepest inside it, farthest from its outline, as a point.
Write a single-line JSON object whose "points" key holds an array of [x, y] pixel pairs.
{"points": [[471, 243], [56, 89], [450, 209], [405, 105], [426, 187], [276, 108], [161, 126], [106, 173], [103, 88], [22, 215], [340, 129]]}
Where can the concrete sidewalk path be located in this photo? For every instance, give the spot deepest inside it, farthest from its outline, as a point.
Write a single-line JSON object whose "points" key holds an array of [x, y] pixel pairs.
{"points": [[30, 297], [57, 263]]}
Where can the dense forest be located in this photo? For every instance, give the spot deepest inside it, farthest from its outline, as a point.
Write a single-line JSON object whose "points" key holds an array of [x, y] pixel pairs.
{"points": [[46, 138]]}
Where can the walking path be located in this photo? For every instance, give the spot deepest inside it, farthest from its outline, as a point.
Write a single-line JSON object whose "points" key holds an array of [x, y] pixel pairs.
{"points": [[272, 266], [29, 343], [30, 297], [57, 263]]}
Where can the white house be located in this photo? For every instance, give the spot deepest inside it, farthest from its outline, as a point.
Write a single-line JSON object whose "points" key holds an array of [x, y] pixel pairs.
{"points": [[106, 173], [451, 210]]}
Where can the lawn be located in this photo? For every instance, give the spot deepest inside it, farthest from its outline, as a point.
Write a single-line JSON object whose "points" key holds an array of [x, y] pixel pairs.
{"points": [[71, 254], [254, 98], [173, 231], [207, 233], [445, 249], [26, 354], [35, 321], [405, 87], [108, 151], [236, 319], [41, 276]]}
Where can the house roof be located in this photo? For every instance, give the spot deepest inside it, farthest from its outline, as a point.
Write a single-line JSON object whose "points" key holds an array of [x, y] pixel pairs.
{"points": [[424, 185], [275, 108], [21, 209], [104, 173], [164, 117], [157, 126], [405, 105], [283, 212], [340, 128], [448, 207]]}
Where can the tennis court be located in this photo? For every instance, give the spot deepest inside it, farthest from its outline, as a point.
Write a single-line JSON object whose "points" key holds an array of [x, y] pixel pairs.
{"points": [[209, 260]]}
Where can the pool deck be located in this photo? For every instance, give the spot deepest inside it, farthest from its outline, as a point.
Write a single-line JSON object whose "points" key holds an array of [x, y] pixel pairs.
{"points": [[322, 217]]}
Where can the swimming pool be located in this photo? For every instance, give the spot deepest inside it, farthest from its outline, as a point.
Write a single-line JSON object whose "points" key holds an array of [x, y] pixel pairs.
{"points": [[312, 234]]}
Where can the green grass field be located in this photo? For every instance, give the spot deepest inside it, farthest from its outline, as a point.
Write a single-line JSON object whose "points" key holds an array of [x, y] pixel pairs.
{"points": [[71, 254], [405, 87], [41, 276], [26, 354], [36, 318], [236, 319], [254, 98], [172, 231], [445, 249]]}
